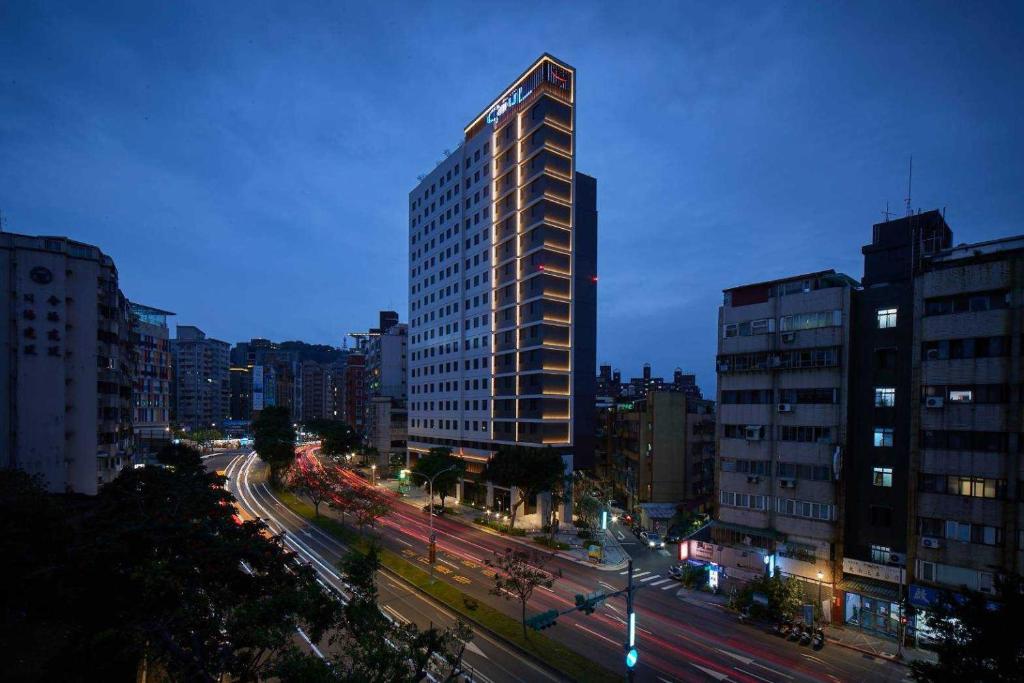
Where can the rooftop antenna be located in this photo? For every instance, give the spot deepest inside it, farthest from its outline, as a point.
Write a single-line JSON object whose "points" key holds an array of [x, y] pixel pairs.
{"points": [[910, 181], [887, 215]]}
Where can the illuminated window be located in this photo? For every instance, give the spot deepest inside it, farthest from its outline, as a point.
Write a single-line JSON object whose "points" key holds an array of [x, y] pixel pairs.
{"points": [[961, 396], [886, 318], [883, 437], [882, 476], [885, 397]]}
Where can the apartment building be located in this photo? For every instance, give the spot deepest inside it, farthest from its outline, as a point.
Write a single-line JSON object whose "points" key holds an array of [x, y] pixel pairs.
{"points": [[386, 377], [782, 395], [502, 284], [202, 387], [661, 449], [152, 381], [66, 363]]}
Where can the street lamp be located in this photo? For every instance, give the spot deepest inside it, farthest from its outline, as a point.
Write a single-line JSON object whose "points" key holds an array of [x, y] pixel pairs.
{"points": [[430, 508], [820, 577], [373, 472]]}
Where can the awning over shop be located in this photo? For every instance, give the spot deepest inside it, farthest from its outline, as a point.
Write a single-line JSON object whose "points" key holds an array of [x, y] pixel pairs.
{"points": [[872, 588]]}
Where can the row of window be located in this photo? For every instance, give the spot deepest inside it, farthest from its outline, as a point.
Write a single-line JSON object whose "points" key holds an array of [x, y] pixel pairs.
{"points": [[786, 470], [468, 425], [964, 532], [784, 506], [961, 485], [787, 323], [976, 347], [822, 357], [826, 395], [798, 433], [970, 302]]}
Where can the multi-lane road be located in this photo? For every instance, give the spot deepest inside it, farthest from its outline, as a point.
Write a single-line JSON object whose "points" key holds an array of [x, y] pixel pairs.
{"points": [[680, 637]]}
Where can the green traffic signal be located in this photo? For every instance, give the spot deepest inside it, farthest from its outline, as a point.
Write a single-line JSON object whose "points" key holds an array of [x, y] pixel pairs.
{"points": [[539, 622], [631, 656]]}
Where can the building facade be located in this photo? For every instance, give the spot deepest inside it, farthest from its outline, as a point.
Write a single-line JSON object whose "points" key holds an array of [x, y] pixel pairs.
{"points": [[783, 350], [502, 283], [202, 386], [152, 385], [66, 363], [386, 376]]}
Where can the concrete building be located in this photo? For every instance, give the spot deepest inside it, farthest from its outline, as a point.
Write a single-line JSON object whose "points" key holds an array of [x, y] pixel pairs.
{"points": [[661, 449], [152, 385], [316, 385], [241, 391], [933, 474], [353, 392], [201, 379], [386, 376], [503, 284], [66, 363], [782, 396]]}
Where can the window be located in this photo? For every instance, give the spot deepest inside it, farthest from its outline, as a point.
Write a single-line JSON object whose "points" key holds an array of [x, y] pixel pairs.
{"points": [[885, 397], [961, 396], [810, 321], [883, 437], [886, 318], [927, 571], [881, 476], [880, 554]]}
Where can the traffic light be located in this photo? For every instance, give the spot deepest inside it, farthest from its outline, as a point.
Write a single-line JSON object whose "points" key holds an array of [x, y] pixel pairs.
{"points": [[539, 622], [589, 602], [402, 474], [631, 656]]}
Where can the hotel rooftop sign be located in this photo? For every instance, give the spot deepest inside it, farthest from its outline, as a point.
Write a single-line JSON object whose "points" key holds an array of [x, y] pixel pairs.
{"points": [[546, 73]]}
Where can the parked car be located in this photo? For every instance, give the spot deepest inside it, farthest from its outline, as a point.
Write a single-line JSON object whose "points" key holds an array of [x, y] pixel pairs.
{"points": [[675, 572], [638, 531]]}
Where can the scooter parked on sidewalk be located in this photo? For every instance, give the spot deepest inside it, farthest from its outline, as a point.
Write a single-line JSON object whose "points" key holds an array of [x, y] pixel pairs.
{"points": [[818, 641], [805, 636], [795, 631]]}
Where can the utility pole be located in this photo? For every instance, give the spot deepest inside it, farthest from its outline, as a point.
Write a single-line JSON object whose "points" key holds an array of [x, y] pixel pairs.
{"points": [[631, 653]]}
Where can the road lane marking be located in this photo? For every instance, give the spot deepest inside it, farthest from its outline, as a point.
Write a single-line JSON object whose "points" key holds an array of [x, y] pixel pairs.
{"points": [[638, 574], [607, 585], [753, 675], [668, 587], [595, 633], [717, 675], [658, 583], [649, 578]]}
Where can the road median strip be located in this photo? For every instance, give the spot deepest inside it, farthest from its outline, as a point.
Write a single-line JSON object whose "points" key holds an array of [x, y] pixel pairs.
{"points": [[549, 652]]}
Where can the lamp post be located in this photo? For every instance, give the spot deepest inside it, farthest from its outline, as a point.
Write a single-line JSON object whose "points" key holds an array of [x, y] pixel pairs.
{"points": [[820, 577], [430, 509], [373, 475]]}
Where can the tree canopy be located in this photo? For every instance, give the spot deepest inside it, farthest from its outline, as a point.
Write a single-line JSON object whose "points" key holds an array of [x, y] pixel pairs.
{"points": [[979, 637], [531, 470], [274, 439], [154, 568], [444, 467], [336, 437], [517, 575]]}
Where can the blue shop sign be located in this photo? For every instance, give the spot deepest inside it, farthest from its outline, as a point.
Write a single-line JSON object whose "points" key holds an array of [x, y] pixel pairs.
{"points": [[923, 596]]}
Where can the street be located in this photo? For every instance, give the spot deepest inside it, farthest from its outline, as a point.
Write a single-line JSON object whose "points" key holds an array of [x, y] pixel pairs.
{"points": [[679, 636]]}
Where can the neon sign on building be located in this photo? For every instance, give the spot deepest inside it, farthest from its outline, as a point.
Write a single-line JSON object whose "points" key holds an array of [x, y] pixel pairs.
{"points": [[516, 97]]}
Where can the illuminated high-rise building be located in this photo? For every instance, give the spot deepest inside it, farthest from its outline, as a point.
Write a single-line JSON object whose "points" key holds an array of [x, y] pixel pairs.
{"points": [[503, 283]]}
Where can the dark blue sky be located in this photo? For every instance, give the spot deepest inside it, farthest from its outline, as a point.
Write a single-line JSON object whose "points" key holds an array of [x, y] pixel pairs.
{"points": [[248, 167]]}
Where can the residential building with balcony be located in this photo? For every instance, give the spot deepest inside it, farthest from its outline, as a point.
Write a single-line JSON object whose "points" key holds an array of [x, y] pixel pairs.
{"points": [[783, 353], [151, 393], [202, 385]]}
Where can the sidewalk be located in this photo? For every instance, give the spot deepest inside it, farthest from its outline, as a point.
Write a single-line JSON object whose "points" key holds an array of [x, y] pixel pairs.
{"points": [[884, 648], [615, 558]]}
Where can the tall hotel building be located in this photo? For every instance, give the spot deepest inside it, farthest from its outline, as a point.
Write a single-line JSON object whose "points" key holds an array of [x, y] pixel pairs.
{"points": [[503, 284]]}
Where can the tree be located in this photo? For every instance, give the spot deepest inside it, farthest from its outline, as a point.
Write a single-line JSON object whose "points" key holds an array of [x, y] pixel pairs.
{"points": [[784, 597], [517, 574], [375, 648], [274, 439], [369, 505], [336, 437], [446, 469], [153, 569], [531, 471], [978, 636], [318, 483]]}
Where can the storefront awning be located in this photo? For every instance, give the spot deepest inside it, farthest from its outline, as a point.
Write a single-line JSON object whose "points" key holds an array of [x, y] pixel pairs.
{"points": [[872, 588]]}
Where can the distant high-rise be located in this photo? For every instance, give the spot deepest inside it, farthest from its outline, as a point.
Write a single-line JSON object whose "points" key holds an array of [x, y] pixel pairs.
{"points": [[502, 283], [152, 386], [202, 386]]}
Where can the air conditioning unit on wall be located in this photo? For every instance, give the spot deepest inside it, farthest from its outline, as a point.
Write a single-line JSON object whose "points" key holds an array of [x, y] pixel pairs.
{"points": [[785, 407], [930, 542], [788, 337], [933, 402], [787, 483]]}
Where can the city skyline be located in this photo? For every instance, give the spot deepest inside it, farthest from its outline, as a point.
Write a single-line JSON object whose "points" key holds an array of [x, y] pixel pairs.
{"points": [[213, 174]]}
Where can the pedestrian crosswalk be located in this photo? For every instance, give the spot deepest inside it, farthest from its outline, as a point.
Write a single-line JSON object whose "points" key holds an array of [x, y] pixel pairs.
{"points": [[651, 580]]}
